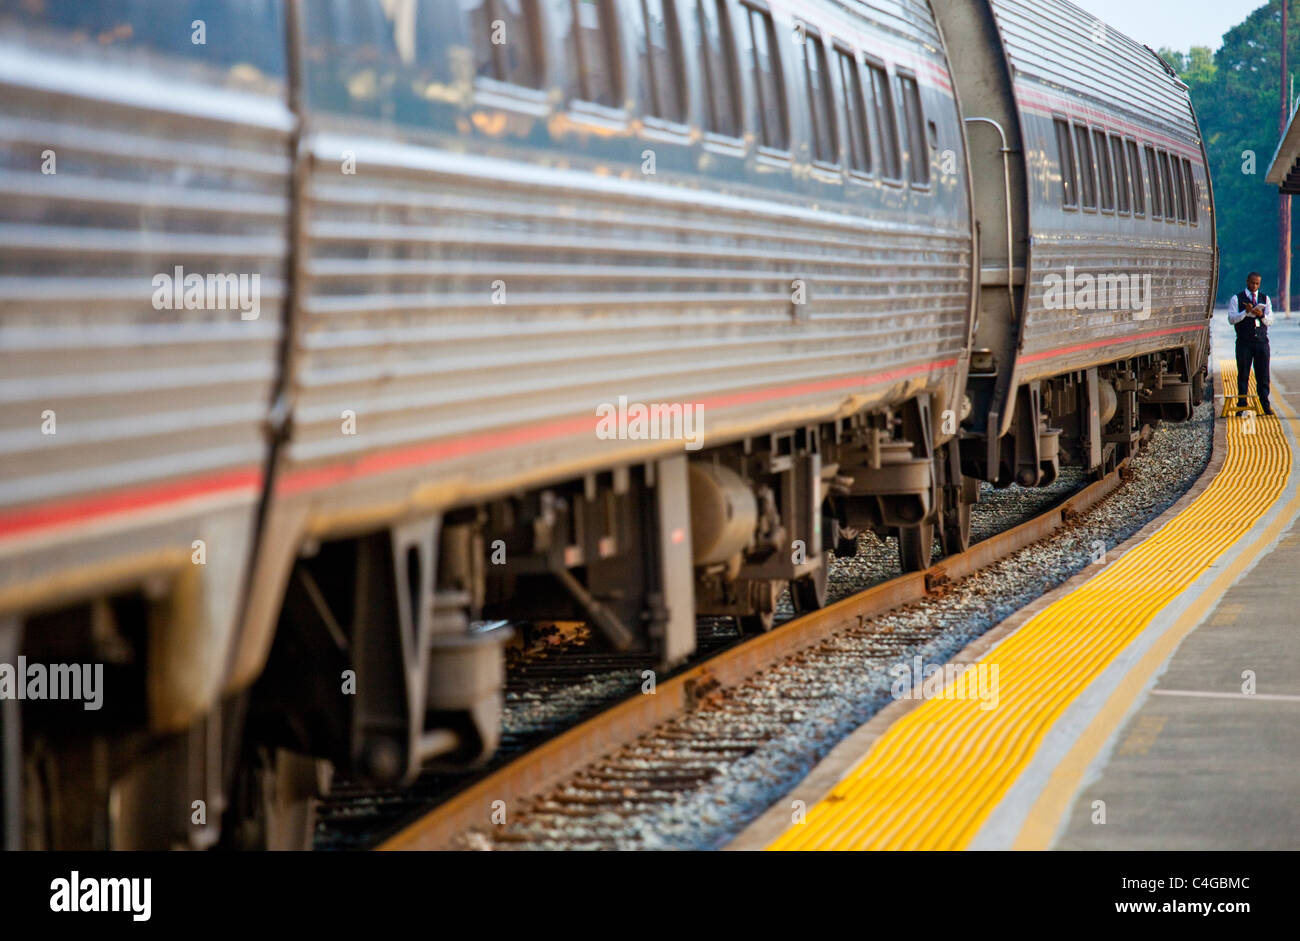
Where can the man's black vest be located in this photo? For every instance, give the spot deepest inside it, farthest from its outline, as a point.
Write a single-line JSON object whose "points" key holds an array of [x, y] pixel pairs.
{"points": [[1247, 330]]}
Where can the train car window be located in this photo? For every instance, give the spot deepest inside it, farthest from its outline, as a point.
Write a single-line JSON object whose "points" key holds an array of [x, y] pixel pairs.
{"points": [[1122, 202], [821, 107], [359, 60], [1105, 173], [891, 160], [718, 55], [919, 151], [659, 54], [1180, 197], [854, 112], [1157, 192], [591, 42], [1193, 192], [506, 37], [1069, 175], [765, 72], [1167, 177], [243, 44], [1087, 170], [1135, 175]]}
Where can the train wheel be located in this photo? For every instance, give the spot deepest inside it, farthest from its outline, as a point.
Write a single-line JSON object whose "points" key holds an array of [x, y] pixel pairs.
{"points": [[36, 829], [956, 530], [915, 546], [808, 593], [843, 540], [764, 596], [954, 527], [274, 803]]}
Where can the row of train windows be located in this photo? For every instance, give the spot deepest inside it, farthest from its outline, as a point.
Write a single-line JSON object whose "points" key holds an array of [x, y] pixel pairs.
{"points": [[863, 111], [1104, 171]]}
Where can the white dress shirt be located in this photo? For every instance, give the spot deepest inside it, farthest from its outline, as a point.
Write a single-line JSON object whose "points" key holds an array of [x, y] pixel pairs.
{"points": [[1236, 316]]}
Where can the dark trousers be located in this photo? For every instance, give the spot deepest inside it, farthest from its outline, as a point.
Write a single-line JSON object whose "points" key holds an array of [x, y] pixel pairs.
{"points": [[1252, 352]]}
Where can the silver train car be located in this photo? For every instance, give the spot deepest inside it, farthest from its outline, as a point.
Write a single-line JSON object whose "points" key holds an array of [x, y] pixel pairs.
{"points": [[142, 160], [1098, 253], [430, 317]]}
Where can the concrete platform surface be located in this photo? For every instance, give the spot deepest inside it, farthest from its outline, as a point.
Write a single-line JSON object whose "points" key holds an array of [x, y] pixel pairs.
{"points": [[1200, 764]]}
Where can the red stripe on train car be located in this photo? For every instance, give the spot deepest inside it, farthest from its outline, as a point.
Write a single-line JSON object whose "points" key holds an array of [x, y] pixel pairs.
{"points": [[316, 478], [64, 512], [82, 509], [1064, 350]]}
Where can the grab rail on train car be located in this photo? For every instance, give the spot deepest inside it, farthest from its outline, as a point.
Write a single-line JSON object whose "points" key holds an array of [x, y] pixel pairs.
{"points": [[1006, 192]]}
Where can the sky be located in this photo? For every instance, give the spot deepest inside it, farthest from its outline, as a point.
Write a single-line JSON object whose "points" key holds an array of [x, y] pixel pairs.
{"points": [[1178, 24]]}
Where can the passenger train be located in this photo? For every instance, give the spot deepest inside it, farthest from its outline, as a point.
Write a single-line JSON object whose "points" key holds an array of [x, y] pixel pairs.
{"points": [[336, 336]]}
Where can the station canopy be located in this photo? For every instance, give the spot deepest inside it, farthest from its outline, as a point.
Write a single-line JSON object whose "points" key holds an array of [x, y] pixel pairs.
{"points": [[1284, 172]]}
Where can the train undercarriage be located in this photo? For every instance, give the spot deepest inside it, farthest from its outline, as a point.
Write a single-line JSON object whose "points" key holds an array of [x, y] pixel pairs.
{"points": [[389, 653], [1093, 418]]}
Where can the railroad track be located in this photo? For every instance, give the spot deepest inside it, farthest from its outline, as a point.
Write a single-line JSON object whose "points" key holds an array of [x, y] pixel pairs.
{"points": [[559, 680], [548, 691], [649, 750]]}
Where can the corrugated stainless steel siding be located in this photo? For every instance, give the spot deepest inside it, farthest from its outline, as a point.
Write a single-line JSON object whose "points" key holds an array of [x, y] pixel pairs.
{"points": [[1179, 275], [150, 174], [612, 287], [908, 18], [1115, 84], [1056, 43]]}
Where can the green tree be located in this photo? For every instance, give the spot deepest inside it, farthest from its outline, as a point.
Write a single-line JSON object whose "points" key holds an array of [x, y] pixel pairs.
{"points": [[1201, 66], [1174, 58], [1197, 65], [1236, 94]]}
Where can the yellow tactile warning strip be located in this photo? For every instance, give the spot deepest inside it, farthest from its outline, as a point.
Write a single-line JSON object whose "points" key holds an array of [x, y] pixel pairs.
{"points": [[934, 777]]}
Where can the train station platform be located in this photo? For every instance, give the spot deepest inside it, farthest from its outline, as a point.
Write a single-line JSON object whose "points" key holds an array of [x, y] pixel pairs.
{"points": [[1150, 702]]}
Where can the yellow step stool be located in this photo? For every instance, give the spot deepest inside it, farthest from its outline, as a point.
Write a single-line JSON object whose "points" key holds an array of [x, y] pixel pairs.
{"points": [[1230, 406]]}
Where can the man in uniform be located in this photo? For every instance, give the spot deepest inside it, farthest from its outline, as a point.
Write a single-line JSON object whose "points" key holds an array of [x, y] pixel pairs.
{"points": [[1251, 313]]}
